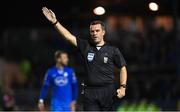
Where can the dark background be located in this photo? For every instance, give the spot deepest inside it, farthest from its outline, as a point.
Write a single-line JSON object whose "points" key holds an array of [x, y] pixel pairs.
{"points": [[148, 40]]}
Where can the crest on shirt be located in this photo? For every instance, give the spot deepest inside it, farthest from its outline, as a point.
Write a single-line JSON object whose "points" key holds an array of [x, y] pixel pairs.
{"points": [[61, 81], [65, 74], [90, 56], [105, 59]]}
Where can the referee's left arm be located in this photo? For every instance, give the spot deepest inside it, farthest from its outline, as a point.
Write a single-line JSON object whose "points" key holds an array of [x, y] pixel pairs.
{"points": [[123, 79], [121, 64]]}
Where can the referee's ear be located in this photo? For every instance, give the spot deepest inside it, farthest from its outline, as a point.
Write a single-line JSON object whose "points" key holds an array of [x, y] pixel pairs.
{"points": [[104, 32]]}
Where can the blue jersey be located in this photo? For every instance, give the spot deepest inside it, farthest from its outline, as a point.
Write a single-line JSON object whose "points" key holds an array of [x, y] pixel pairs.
{"points": [[64, 88]]}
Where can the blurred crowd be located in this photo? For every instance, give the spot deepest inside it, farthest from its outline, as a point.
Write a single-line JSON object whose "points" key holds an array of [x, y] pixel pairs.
{"points": [[144, 41]]}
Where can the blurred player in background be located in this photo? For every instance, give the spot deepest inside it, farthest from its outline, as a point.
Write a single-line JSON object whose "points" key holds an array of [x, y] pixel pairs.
{"points": [[9, 103], [64, 85]]}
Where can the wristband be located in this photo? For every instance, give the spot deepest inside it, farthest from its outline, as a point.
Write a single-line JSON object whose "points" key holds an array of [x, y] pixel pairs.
{"points": [[55, 23], [41, 101]]}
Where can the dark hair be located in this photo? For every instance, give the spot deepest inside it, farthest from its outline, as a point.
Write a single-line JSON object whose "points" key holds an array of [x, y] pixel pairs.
{"points": [[98, 22], [58, 53]]}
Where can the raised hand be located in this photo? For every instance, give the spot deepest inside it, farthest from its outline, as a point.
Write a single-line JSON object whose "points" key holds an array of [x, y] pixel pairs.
{"points": [[49, 14]]}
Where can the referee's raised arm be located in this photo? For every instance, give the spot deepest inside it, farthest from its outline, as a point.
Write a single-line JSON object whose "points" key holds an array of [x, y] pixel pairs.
{"points": [[49, 14]]}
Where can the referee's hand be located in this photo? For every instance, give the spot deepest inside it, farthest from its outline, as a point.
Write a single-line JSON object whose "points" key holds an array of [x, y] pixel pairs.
{"points": [[49, 14], [121, 92]]}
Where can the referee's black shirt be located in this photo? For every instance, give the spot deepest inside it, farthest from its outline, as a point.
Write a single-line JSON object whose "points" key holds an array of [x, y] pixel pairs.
{"points": [[100, 63]]}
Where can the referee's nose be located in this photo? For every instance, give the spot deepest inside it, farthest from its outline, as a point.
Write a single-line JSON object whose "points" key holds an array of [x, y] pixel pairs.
{"points": [[94, 34]]}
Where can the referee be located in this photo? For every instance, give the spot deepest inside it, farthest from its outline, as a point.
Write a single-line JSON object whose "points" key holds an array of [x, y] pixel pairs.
{"points": [[100, 59]]}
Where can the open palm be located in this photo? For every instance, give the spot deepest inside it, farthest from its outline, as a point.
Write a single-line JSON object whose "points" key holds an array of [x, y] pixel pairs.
{"points": [[49, 14]]}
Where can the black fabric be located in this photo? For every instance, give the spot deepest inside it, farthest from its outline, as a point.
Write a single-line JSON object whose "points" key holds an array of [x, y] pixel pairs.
{"points": [[99, 99], [118, 58], [100, 63]]}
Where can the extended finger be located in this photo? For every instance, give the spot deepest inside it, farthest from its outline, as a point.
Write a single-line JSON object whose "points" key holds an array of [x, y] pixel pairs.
{"points": [[52, 12], [45, 10]]}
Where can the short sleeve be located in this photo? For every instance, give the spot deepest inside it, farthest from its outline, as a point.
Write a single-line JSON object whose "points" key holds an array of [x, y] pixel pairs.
{"points": [[119, 60], [81, 44]]}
